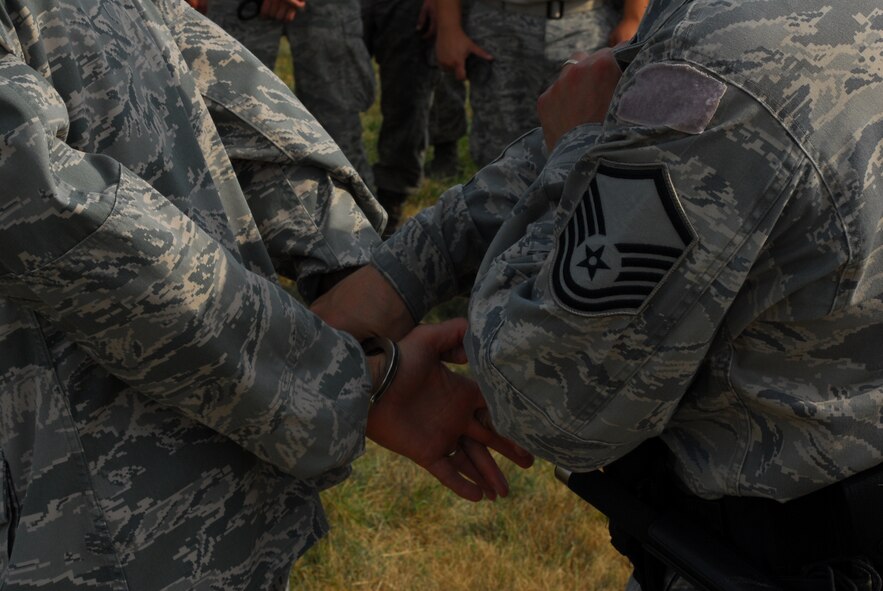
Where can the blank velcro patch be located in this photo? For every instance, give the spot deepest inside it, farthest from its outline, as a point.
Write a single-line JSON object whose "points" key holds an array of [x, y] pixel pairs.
{"points": [[677, 96], [626, 234]]}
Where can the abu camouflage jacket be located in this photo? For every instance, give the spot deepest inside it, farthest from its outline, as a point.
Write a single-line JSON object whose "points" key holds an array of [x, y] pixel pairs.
{"points": [[168, 412], [705, 265]]}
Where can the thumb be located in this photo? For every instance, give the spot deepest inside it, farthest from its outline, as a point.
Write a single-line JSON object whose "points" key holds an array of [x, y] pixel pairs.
{"points": [[447, 335]]}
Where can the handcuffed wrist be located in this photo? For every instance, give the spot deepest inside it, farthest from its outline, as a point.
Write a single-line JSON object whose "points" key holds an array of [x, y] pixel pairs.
{"points": [[387, 375]]}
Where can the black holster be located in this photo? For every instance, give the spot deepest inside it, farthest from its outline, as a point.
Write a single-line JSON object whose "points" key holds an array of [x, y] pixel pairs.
{"points": [[803, 545]]}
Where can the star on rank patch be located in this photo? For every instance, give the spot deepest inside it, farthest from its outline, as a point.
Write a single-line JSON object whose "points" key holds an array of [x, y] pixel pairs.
{"points": [[623, 238]]}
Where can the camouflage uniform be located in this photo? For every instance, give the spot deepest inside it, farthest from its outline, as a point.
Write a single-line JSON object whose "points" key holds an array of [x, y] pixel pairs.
{"points": [[169, 413], [333, 72], [704, 266], [406, 81], [447, 118], [447, 124], [528, 50]]}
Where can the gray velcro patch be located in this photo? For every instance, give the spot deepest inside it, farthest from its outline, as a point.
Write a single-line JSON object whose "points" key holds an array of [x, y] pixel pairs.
{"points": [[677, 96]]}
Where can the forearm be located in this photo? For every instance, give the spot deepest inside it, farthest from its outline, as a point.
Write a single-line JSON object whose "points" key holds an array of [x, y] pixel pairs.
{"points": [[634, 9], [448, 15], [436, 254]]}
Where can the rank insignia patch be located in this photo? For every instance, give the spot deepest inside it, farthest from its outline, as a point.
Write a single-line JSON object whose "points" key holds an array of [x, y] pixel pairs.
{"points": [[625, 235]]}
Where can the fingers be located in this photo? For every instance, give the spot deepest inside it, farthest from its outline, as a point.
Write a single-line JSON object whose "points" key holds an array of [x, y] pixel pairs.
{"points": [[471, 467], [481, 460], [463, 461], [480, 52], [482, 430], [456, 355], [442, 337], [426, 23], [267, 8], [448, 475], [281, 10]]}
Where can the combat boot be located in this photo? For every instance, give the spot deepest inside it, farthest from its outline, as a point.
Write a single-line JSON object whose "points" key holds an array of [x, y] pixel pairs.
{"points": [[392, 202]]}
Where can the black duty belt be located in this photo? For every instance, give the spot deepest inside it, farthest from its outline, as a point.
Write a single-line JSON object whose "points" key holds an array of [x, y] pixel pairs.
{"points": [[550, 10]]}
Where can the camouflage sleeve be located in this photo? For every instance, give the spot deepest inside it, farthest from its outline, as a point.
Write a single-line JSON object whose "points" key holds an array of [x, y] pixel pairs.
{"points": [[284, 160], [160, 304], [436, 254], [594, 315]]}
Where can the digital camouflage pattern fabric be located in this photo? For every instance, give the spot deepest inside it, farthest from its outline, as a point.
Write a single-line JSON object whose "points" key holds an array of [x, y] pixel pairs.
{"points": [[333, 75], [169, 413], [528, 51], [710, 275]]}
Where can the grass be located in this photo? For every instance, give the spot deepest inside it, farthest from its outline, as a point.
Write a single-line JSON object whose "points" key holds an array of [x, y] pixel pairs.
{"points": [[394, 528]]}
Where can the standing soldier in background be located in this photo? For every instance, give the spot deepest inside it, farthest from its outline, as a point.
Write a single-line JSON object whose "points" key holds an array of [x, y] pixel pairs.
{"points": [[512, 50], [447, 124], [332, 69], [397, 33]]}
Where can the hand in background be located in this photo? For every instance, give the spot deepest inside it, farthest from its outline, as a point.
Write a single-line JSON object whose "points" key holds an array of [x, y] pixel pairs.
{"points": [[581, 94], [281, 10], [430, 411], [426, 21], [624, 31], [453, 46], [199, 5], [364, 304], [632, 13]]}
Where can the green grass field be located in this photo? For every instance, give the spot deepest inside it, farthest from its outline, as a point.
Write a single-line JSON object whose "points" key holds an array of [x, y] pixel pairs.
{"points": [[394, 528]]}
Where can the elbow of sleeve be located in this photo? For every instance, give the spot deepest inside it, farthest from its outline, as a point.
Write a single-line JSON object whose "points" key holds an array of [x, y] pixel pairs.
{"points": [[54, 197]]}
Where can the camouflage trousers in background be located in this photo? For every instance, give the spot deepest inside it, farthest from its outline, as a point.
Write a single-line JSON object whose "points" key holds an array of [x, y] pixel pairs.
{"points": [[447, 118], [528, 51], [333, 74], [406, 83]]}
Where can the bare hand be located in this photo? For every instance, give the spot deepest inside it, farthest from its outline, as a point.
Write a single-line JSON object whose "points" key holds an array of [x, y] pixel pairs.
{"points": [[426, 21], [364, 304], [582, 94], [199, 5], [281, 10], [624, 31], [429, 411], [452, 47]]}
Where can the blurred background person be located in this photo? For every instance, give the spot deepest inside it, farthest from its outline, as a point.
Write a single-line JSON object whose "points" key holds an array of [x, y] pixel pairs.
{"points": [[398, 35], [511, 51]]}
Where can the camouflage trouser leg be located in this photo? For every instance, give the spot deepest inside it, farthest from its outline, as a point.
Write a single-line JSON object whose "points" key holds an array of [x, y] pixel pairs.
{"points": [[259, 36], [406, 80], [447, 118], [333, 74], [528, 51]]}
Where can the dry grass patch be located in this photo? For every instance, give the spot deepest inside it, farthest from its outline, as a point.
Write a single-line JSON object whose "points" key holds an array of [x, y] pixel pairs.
{"points": [[395, 528]]}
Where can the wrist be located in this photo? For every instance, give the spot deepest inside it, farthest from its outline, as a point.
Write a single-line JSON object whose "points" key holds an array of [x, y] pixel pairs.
{"points": [[383, 357]]}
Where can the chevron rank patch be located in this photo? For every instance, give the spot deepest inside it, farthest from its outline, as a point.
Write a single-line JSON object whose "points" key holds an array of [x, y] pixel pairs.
{"points": [[625, 235]]}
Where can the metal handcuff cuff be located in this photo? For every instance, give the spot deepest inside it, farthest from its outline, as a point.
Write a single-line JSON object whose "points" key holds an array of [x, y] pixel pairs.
{"points": [[391, 351]]}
